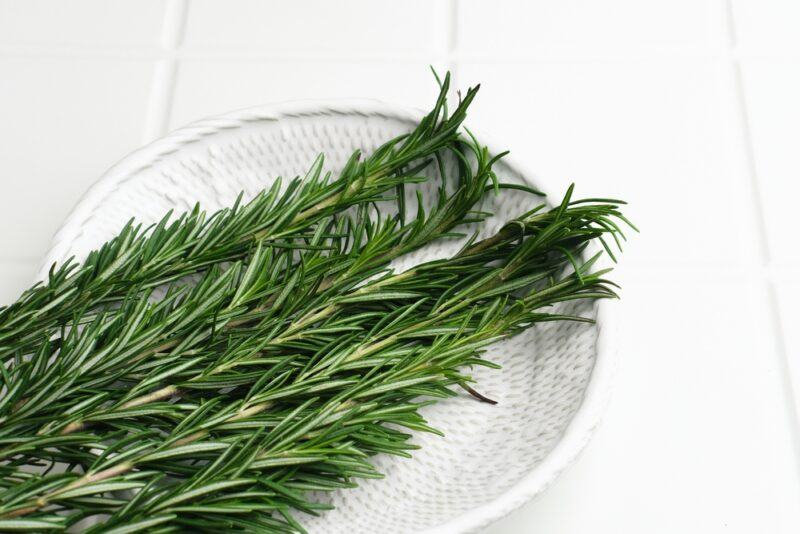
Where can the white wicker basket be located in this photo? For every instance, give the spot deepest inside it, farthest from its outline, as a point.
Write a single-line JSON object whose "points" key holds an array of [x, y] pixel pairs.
{"points": [[555, 378]]}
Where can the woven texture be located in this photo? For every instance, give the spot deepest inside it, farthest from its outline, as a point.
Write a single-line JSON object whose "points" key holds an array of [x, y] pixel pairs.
{"points": [[491, 459]]}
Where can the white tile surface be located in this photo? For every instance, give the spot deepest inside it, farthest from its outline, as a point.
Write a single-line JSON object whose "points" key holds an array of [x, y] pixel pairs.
{"points": [[772, 88], [637, 99], [516, 27], [210, 87], [767, 25], [360, 27], [80, 22], [64, 122], [649, 132]]}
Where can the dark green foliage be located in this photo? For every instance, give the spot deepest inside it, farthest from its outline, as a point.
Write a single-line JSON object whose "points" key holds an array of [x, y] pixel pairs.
{"points": [[296, 354]]}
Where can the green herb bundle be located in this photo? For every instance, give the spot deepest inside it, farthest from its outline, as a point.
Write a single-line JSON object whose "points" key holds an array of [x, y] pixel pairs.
{"points": [[295, 355], [140, 258]]}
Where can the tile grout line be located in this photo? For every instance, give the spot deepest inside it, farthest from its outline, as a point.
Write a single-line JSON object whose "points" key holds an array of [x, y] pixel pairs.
{"points": [[578, 55], [765, 277], [749, 154], [159, 106]]}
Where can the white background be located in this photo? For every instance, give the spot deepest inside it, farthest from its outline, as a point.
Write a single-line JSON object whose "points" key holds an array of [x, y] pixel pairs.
{"points": [[689, 109]]}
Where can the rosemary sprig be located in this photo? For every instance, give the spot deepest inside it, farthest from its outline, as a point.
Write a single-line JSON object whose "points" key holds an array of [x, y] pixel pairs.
{"points": [[109, 349], [459, 322], [141, 258]]}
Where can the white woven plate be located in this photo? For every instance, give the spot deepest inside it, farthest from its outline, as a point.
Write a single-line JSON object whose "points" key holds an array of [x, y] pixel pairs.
{"points": [[555, 377]]}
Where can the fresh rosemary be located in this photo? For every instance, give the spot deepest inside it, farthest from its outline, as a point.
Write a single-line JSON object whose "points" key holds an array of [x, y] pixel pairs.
{"points": [[296, 354], [141, 258]]}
